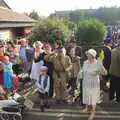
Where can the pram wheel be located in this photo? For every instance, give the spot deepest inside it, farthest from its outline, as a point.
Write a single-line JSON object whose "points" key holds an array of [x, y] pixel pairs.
{"points": [[11, 109], [4, 116], [17, 117]]}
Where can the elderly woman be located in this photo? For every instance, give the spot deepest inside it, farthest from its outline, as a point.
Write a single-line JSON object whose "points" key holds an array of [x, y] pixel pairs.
{"points": [[37, 62], [91, 83]]}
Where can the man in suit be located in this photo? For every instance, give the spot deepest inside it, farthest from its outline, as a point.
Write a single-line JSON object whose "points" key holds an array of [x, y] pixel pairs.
{"points": [[107, 60], [115, 74]]}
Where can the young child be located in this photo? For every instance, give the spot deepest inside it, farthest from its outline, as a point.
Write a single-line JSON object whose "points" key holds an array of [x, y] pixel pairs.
{"points": [[7, 75], [43, 85]]}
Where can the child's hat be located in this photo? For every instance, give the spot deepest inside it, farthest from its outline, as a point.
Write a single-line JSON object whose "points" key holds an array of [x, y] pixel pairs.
{"points": [[43, 68]]}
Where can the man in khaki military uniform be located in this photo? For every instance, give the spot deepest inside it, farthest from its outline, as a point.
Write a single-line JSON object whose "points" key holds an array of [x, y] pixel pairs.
{"points": [[62, 67]]}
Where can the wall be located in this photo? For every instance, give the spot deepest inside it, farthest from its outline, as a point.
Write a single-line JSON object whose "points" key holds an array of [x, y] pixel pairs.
{"points": [[27, 30], [18, 31]]}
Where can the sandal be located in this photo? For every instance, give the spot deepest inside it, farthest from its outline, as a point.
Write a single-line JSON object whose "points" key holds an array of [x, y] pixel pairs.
{"points": [[91, 117], [84, 110]]}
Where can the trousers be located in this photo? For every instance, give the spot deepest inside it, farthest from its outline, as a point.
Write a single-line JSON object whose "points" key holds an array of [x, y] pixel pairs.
{"points": [[60, 86], [114, 88]]}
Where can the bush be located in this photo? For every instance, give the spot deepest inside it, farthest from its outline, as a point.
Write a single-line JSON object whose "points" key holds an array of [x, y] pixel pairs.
{"points": [[90, 32], [50, 30]]}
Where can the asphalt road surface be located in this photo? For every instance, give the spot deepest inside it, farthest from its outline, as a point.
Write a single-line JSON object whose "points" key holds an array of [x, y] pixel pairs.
{"points": [[68, 114], [107, 110]]}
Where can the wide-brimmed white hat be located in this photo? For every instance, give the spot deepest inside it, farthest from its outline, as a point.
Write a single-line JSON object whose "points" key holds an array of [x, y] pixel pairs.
{"points": [[92, 52], [40, 43]]}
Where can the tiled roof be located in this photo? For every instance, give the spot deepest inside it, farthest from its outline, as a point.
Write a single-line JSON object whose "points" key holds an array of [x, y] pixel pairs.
{"points": [[3, 4], [9, 15], [11, 25]]}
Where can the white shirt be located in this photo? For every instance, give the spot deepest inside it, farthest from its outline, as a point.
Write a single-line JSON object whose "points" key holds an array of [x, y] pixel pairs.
{"points": [[108, 47], [41, 87]]}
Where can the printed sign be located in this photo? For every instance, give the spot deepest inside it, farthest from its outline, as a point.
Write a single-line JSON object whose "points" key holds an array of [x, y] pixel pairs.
{"points": [[4, 34], [28, 103]]}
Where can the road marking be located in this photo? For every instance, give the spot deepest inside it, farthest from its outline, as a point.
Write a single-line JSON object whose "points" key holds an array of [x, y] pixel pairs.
{"points": [[75, 111], [69, 115], [62, 114]]}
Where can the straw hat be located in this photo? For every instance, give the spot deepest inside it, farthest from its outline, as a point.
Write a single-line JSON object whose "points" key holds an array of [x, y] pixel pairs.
{"points": [[92, 52]]}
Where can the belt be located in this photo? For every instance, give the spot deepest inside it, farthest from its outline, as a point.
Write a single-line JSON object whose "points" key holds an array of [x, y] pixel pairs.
{"points": [[58, 72]]}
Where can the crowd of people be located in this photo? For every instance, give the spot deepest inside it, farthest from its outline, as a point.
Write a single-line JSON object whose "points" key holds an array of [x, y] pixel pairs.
{"points": [[54, 69]]}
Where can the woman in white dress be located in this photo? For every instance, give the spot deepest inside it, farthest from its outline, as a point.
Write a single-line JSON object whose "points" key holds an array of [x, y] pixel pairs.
{"points": [[37, 62], [91, 83]]}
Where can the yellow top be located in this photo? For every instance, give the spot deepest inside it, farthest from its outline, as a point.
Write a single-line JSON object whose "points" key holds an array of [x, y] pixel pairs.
{"points": [[101, 56]]}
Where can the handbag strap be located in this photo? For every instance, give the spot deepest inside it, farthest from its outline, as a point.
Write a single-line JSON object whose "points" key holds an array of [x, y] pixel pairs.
{"points": [[61, 63]]}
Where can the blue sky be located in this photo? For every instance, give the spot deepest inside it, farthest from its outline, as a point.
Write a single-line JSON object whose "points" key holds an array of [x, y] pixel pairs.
{"points": [[45, 7]]}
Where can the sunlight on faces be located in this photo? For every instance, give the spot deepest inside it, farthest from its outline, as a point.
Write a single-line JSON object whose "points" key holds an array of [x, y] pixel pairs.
{"points": [[23, 42], [47, 48], [60, 52], [6, 59], [37, 45], [90, 57], [43, 72], [72, 51]]}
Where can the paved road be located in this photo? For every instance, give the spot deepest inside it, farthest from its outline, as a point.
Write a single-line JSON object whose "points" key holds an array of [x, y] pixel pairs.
{"points": [[107, 110], [68, 114]]}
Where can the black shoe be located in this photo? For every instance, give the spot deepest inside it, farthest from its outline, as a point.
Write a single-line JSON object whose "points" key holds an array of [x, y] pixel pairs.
{"points": [[106, 89], [64, 101], [117, 100], [112, 98], [46, 106], [42, 108], [58, 102]]}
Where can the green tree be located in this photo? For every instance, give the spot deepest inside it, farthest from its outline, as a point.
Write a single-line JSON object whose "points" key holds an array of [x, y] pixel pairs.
{"points": [[53, 16], [50, 30], [71, 25], [90, 32], [34, 15], [108, 15], [76, 15]]}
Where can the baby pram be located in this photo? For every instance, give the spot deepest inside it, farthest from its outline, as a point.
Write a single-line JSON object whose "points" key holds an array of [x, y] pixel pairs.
{"points": [[10, 113], [12, 108], [6, 111]]}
